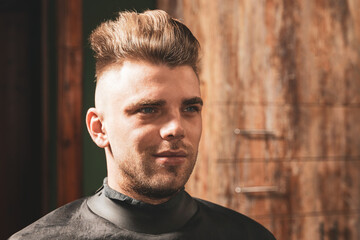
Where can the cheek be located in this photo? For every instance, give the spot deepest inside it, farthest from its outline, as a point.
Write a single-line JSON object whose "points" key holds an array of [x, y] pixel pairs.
{"points": [[119, 134], [145, 138], [194, 131]]}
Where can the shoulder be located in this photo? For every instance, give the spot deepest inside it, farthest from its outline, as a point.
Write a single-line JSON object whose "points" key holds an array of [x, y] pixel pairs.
{"points": [[231, 221], [51, 225]]}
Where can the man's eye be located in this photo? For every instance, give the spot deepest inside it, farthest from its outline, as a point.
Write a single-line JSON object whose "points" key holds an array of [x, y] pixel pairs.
{"points": [[147, 110], [192, 109]]}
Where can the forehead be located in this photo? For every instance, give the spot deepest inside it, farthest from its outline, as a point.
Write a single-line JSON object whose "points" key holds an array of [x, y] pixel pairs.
{"points": [[134, 80]]}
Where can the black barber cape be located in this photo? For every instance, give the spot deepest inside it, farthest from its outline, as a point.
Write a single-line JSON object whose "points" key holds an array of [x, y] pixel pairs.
{"points": [[111, 215]]}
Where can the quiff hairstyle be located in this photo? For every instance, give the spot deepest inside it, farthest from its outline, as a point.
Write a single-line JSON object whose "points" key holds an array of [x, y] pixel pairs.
{"points": [[151, 36]]}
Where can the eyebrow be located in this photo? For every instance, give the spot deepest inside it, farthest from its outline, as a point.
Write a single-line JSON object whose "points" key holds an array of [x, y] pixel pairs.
{"points": [[149, 102], [144, 103], [194, 100]]}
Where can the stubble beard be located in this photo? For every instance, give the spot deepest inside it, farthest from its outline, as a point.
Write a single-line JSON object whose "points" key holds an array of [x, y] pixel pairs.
{"points": [[144, 179]]}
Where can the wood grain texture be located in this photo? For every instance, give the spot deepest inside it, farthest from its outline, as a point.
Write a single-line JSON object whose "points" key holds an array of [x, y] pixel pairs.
{"points": [[291, 68], [69, 141]]}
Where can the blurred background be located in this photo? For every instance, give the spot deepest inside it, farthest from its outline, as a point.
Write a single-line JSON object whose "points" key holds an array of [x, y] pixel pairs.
{"points": [[281, 83]]}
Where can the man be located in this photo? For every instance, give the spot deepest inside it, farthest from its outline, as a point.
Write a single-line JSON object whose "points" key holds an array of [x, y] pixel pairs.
{"points": [[147, 117]]}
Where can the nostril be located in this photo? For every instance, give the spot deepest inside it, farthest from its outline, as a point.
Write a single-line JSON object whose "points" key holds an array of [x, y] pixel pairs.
{"points": [[170, 134], [173, 128], [170, 137]]}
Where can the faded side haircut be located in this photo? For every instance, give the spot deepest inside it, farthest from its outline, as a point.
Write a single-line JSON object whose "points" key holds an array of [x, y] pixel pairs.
{"points": [[151, 36]]}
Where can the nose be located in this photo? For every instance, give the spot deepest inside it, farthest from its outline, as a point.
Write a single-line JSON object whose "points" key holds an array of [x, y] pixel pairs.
{"points": [[173, 128]]}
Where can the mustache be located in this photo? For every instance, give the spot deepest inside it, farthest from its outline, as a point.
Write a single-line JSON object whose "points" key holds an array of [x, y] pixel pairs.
{"points": [[177, 145], [170, 146]]}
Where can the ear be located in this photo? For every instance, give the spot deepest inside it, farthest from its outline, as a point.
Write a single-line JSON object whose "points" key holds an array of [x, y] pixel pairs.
{"points": [[96, 128]]}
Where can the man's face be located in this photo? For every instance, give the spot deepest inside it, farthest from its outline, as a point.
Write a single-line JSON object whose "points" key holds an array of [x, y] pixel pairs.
{"points": [[152, 117]]}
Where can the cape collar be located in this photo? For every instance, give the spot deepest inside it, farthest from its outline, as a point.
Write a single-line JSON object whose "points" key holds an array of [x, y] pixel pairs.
{"points": [[128, 213], [115, 195]]}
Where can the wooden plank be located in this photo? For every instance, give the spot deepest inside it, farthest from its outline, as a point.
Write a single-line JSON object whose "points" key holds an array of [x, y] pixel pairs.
{"points": [[236, 132], [305, 187], [69, 151], [326, 52], [249, 131], [352, 128], [341, 226]]}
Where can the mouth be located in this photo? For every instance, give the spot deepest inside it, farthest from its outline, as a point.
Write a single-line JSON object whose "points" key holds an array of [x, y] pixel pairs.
{"points": [[172, 158]]}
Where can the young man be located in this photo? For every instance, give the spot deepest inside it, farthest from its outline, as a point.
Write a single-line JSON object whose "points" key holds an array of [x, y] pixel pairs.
{"points": [[147, 117]]}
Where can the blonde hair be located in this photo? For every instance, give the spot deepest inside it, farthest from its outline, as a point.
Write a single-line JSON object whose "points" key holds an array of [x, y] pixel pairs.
{"points": [[151, 36]]}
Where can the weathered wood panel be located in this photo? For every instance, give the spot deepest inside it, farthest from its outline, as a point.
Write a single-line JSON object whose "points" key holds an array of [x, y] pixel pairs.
{"points": [[304, 187], [322, 131], [339, 226], [291, 68], [69, 141]]}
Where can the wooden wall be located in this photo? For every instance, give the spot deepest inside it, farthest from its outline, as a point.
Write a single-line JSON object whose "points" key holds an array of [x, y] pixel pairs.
{"points": [[69, 100], [281, 82]]}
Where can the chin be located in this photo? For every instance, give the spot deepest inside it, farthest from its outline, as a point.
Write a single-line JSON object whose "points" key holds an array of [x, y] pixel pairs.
{"points": [[158, 192], [162, 187]]}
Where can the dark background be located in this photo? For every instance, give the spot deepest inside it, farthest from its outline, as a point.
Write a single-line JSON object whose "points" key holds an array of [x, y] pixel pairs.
{"points": [[28, 83]]}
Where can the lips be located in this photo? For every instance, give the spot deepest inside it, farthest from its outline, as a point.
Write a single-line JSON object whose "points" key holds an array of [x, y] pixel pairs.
{"points": [[171, 157], [180, 153]]}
